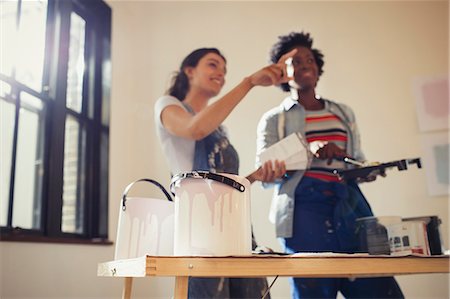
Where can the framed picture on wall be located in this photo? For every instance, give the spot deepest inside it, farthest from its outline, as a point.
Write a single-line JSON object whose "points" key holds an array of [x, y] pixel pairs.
{"points": [[432, 102], [436, 150]]}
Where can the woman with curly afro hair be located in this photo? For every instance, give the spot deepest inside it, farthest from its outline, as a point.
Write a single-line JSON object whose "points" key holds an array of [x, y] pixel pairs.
{"points": [[313, 210]]}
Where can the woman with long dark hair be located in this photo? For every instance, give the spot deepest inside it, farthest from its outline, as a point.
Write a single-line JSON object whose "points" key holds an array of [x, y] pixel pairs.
{"points": [[193, 138]]}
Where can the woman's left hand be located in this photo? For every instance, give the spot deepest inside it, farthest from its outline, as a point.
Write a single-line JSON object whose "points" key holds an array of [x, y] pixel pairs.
{"points": [[372, 176], [330, 151]]}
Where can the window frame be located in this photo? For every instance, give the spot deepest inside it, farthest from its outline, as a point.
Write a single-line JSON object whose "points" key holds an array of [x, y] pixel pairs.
{"points": [[97, 15]]}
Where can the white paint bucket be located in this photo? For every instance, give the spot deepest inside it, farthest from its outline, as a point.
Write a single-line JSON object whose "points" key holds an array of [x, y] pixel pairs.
{"points": [[145, 225], [212, 214]]}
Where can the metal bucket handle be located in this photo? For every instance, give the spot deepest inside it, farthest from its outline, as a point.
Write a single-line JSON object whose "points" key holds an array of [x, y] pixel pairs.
{"points": [[125, 192], [206, 175]]}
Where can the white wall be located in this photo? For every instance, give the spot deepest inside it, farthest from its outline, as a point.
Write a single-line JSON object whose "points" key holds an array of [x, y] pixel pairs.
{"points": [[373, 51]]}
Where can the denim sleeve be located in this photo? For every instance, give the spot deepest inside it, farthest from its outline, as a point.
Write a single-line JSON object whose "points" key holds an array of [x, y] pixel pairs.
{"points": [[358, 153], [356, 137], [266, 135]]}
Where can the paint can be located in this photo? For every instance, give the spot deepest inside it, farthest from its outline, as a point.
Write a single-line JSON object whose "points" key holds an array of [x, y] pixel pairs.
{"points": [[145, 225], [433, 232], [373, 235], [212, 214]]}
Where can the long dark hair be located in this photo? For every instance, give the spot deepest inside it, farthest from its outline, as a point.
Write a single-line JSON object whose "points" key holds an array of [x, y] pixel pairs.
{"points": [[287, 42], [179, 86]]}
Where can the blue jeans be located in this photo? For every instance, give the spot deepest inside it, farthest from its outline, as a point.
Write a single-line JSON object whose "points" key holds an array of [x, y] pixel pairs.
{"points": [[324, 216], [209, 288]]}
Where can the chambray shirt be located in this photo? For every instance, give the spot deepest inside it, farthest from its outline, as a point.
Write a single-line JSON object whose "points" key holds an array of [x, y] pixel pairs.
{"points": [[268, 133]]}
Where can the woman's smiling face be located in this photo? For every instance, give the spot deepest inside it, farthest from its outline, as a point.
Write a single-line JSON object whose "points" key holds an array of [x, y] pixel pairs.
{"points": [[209, 74], [306, 71]]}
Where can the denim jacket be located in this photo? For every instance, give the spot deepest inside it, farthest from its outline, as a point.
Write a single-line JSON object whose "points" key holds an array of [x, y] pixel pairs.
{"points": [[268, 133]]}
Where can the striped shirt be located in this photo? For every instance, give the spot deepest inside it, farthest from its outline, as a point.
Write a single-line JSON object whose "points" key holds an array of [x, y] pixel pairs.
{"points": [[322, 127]]}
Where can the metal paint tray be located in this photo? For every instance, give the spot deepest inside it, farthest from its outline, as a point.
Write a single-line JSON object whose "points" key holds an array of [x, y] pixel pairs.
{"points": [[365, 171]]}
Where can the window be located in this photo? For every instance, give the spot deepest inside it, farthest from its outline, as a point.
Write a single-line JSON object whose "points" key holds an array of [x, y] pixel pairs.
{"points": [[54, 111]]}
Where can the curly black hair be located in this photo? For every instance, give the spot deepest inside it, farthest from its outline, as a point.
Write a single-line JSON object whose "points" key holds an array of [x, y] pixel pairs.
{"points": [[292, 40]]}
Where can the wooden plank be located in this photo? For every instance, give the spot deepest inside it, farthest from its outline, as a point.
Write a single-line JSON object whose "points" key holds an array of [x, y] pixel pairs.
{"points": [[127, 287], [181, 287], [304, 266]]}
